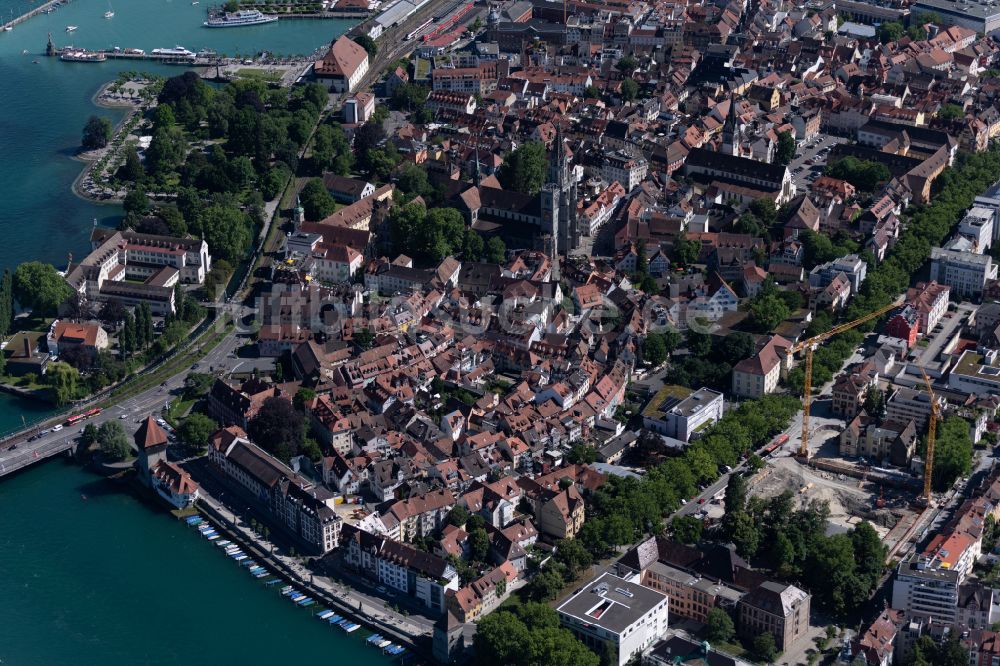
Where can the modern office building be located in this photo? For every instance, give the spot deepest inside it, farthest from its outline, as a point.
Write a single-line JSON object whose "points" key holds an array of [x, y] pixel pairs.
{"points": [[609, 609]]}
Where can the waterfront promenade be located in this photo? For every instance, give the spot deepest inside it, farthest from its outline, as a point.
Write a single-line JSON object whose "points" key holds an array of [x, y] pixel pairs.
{"points": [[413, 632]]}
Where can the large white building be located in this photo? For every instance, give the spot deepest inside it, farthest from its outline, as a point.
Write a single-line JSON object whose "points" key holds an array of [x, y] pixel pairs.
{"points": [[965, 272], [399, 566], [624, 168], [681, 418], [976, 373], [134, 268], [300, 506], [977, 226], [759, 375], [345, 65], [629, 616], [927, 585]]}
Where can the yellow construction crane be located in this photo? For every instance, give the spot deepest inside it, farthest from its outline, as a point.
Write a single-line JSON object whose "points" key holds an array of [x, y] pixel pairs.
{"points": [[931, 433], [809, 346]]}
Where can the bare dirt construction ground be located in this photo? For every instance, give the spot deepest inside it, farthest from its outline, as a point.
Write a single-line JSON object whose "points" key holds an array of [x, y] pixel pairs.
{"points": [[848, 503]]}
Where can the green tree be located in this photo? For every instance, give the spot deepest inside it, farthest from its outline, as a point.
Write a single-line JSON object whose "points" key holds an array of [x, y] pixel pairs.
{"points": [[6, 303], [278, 428], [951, 112], [127, 339], [196, 430], [227, 230], [63, 380], [39, 287], [303, 396], [545, 585], [197, 384], [409, 97], [96, 133], [685, 251], [166, 151], [764, 648], [627, 64], [501, 638], [582, 454], [458, 516], [767, 311], [316, 200], [890, 31], [367, 43], [136, 202], [479, 545], [654, 349], [89, 434], [865, 175], [524, 170], [719, 627], [113, 440], [496, 250], [629, 89], [736, 494], [572, 554], [413, 180], [952, 452], [687, 529], [786, 147]]}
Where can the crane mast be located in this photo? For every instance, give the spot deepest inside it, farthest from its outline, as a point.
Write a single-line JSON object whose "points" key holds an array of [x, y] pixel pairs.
{"points": [[931, 433], [809, 346]]}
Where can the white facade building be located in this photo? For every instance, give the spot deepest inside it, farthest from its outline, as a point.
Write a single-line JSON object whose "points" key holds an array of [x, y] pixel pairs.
{"points": [[965, 272], [629, 616]]}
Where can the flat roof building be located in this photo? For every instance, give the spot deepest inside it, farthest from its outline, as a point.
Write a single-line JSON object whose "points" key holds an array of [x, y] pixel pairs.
{"points": [[979, 15], [609, 609]]}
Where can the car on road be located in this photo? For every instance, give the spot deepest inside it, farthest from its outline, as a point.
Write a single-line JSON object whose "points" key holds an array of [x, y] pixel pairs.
{"points": [[12, 447], [44, 432], [123, 417], [57, 428], [701, 500]]}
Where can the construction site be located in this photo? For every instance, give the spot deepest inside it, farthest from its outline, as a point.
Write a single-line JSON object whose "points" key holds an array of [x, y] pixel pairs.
{"points": [[810, 466]]}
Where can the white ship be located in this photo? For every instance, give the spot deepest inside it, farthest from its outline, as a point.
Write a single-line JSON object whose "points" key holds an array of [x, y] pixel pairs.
{"points": [[176, 52], [82, 56], [71, 28], [239, 19]]}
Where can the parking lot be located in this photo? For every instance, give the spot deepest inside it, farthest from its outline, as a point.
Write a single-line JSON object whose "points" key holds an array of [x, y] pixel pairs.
{"points": [[810, 158]]}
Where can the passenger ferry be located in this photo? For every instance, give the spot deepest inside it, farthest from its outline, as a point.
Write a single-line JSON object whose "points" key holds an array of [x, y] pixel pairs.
{"points": [[241, 18]]}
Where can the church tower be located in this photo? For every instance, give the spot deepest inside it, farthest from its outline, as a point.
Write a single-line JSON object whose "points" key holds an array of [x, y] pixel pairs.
{"points": [[732, 136], [562, 185]]}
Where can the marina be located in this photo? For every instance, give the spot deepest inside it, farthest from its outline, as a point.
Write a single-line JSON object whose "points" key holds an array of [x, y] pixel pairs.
{"points": [[297, 597]]}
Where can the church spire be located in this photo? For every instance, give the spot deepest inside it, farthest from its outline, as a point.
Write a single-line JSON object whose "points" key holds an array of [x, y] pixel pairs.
{"points": [[731, 136]]}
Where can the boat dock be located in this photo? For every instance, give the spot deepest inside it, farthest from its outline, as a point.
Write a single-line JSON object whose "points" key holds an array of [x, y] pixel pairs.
{"points": [[40, 9], [137, 54], [322, 605]]}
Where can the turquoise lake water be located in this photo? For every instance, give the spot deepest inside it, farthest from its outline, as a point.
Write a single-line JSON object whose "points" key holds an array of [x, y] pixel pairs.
{"points": [[109, 580], [44, 106]]}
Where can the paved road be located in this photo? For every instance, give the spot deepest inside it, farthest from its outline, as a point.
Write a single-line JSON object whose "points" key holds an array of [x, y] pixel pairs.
{"points": [[130, 411]]}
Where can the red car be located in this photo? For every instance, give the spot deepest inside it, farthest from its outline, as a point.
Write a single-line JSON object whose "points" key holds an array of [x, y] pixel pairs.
{"points": [[701, 500]]}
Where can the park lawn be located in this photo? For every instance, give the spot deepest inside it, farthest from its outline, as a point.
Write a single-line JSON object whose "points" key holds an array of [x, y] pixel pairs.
{"points": [[258, 74]]}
